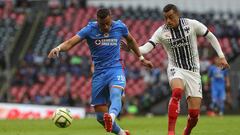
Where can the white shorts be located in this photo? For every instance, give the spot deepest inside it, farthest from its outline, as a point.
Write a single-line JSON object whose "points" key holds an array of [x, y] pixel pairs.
{"points": [[191, 80]]}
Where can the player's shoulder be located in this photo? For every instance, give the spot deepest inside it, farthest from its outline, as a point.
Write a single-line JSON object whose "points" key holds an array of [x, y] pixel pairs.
{"points": [[92, 24], [211, 67], [119, 23], [191, 21], [162, 28]]}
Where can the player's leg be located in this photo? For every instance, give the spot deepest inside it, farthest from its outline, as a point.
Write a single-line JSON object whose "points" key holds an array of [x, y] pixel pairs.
{"points": [[214, 96], [193, 91], [222, 97], [116, 87], [99, 93], [114, 110], [122, 111], [194, 104], [116, 102], [177, 87], [100, 110]]}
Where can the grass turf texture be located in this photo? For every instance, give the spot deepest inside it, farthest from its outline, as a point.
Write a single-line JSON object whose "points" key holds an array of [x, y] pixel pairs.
{"points": [[227, 125]]}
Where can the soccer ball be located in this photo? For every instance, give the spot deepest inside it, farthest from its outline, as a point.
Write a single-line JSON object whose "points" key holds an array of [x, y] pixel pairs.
{"points": [[62, 117]]}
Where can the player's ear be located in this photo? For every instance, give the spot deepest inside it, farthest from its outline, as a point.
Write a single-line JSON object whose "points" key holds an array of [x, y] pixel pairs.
{"points": [[178, 13]]}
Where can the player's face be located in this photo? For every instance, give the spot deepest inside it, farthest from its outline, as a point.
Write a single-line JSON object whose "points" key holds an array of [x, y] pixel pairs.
{"points": [[105, 24], [216, 60], [171, 18]]}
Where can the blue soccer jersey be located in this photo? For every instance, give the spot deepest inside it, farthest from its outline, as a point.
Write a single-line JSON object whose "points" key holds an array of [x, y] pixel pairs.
{"points": [[104, 47], [217, 76]]}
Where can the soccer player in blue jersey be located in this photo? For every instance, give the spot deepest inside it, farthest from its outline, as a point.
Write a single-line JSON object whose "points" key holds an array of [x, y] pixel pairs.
{"points": [[108, 82], [220, 82]]}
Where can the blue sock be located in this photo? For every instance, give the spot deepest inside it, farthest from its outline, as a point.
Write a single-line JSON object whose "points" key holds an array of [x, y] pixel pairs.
{"points": [[213, 105], [100, 118], [115, 128], [116, 101], [116, 106], [221, 106]]}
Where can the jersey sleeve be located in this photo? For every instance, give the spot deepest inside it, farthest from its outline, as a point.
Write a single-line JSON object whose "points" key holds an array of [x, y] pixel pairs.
{"points": [[200, 29], [124, 30], [83, 33], [156, 37]]}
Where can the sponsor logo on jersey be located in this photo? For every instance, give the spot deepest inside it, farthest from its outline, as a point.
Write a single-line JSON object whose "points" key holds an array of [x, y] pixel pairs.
{"points": [[107, 42]]}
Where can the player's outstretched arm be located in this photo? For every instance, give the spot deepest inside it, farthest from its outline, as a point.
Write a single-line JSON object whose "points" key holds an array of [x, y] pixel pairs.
{"points": [[125, 47], [131, 42], [146, 48], [222, 62], [65, 46]]}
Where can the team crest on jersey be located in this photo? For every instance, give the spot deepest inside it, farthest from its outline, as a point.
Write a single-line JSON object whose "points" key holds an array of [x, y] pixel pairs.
{"points": [[106, 35], [187, 29]]}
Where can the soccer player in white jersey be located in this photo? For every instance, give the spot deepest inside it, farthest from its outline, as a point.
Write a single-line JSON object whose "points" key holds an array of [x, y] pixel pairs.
{"points": [[179, 39]]}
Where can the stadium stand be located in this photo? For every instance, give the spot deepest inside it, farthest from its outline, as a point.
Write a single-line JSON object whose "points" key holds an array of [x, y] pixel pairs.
{"points": [[10, 23]]}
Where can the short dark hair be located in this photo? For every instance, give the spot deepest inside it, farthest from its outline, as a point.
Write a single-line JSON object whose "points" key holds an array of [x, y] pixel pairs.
{"points": [[103, 13], [169, 7]]}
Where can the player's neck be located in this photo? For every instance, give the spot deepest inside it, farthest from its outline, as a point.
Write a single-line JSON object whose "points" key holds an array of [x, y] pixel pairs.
{"points": [[105, 31]]}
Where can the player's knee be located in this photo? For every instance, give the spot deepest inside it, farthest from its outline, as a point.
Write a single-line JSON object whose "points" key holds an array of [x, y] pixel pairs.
{"points": [[177, 93], [193, 113]]}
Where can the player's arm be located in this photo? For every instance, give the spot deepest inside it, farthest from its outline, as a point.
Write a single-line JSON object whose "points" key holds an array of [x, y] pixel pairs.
{"points": [[70, 43], [147, 47], [144, 49], [131, 42], [92, 68], [151, 44], [201, 29], [65, 46], [215, 44]]}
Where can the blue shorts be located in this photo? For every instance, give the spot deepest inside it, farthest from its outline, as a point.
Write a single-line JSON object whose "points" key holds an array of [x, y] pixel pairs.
{"points": [[102, 82], [218, 93]]}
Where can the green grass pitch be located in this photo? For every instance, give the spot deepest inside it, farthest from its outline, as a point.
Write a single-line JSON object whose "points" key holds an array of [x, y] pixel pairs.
{"points": [[227, 125]]}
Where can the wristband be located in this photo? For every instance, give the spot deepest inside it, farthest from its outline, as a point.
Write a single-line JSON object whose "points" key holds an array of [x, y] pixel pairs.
{"points": [[141, 58], [59, 48]]}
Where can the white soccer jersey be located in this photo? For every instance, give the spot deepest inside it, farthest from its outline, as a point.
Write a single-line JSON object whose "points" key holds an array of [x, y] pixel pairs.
{"points": [[181, 43]]}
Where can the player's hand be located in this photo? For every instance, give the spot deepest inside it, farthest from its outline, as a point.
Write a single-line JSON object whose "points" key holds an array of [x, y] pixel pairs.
{"points": [[54, 53], [124, 46], [222, 63], [147, 63]]}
